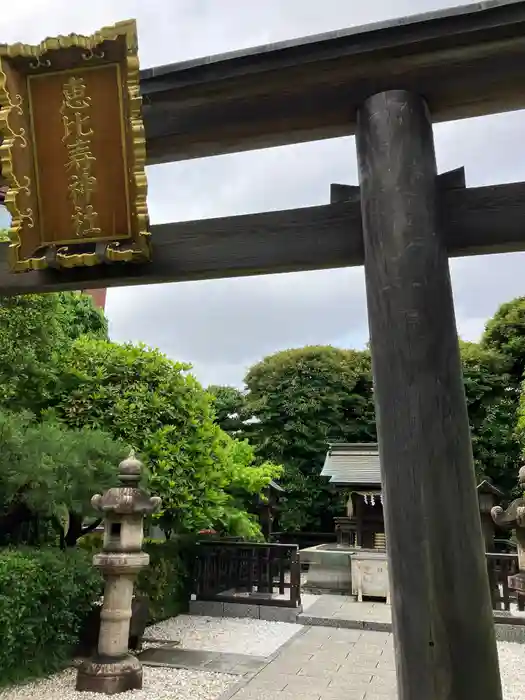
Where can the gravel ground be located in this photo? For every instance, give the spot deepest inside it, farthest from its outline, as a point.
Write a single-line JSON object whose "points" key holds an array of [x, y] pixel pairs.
{"points": [[233, 635], [178, 684], [159, 684], [243, 636], [512, 667]]}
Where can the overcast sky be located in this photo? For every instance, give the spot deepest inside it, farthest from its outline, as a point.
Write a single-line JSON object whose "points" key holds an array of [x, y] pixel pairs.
{"points": [[223, 326]]}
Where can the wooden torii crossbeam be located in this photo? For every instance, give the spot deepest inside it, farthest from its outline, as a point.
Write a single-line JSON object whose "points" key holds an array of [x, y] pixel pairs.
{"points": [[476, 221], [386, 84]]}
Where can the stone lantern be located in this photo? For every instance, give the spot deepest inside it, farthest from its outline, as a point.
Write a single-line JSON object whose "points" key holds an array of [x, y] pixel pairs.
{"points": [[488, 497], [514, 518], [113, 670]]}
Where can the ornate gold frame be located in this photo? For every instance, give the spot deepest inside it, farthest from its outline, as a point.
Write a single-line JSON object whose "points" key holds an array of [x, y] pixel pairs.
{"points": [[138, 247]]}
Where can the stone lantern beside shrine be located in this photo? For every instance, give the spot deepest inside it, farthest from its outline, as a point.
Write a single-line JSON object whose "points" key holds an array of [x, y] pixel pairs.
{"points": [[488, 497], [113, 670], [514, 518]]}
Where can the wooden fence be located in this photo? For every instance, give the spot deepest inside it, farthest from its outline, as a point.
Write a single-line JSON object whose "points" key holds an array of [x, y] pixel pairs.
{"points": [[270, 574], [250, 573], [499, 567]]}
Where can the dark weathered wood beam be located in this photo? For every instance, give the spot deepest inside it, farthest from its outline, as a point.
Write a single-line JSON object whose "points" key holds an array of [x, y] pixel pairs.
{"points": [[475, 222], [450, 180], [466, 61], [441, 608]]}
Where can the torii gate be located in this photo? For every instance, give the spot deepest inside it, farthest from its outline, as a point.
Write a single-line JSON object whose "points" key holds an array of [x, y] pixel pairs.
{"points": [[385, 83]]}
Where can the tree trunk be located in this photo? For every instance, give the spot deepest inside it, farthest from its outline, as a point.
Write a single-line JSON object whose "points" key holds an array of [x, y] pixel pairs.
{"points": [[74, 532]]}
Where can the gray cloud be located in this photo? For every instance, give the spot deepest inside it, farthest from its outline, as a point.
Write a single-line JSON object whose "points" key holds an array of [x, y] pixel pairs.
{"points": [[223, 326]]}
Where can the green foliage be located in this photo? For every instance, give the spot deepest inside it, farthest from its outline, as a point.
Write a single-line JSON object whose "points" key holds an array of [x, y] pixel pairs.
{"points": [[166, 581], [492, 410], [44, 597], [520, 430], [240, 481], [505, 334], [78, 316], [230, 408], [146, 400], [91, 542], [30, 342], [35, 330], [302, 399], [308, 397], [48, 475]]}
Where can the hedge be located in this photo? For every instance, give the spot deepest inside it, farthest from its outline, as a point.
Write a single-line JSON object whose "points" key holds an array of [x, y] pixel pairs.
{"points": [[166, 581], [44, 597], [46, 594]]}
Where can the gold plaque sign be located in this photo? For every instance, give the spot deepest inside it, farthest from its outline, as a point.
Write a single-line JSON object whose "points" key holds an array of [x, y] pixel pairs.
{"points": [[73, 151]]}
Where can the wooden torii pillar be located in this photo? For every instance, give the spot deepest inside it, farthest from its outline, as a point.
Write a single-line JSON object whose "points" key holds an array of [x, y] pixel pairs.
{"points": [[441, 606]]}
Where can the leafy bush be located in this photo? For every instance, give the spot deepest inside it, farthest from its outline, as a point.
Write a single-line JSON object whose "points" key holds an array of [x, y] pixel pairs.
{"points": [[492, 408], [505, 334], [165, 582], [48, 475], [35, 331], [44, 596], [145, 400]]}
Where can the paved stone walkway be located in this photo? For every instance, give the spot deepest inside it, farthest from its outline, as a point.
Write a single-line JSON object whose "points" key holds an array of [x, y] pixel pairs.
{"points": [[344, 611], [328, 664], [196, 660]]}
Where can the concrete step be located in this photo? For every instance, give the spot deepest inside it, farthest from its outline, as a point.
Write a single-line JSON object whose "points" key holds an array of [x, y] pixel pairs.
{"points": [[254, 611]]}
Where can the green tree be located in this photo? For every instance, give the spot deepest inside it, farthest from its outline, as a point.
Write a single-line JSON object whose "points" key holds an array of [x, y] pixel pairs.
{"points": [[492, 410], [48, 476], [520, 430], [79, 315], [31, 339], [302, 399], [229, 404], [505, 334], [149, 402], [35, 331]]}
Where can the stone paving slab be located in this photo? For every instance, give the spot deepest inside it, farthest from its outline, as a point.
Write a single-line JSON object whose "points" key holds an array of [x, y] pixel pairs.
{"points": [[327, 663], [344, 611], [210, 661], [331, 610]]}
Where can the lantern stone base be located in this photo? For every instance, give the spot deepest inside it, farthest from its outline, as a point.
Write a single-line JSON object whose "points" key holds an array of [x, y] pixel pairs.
{"points": [[109, 675]]}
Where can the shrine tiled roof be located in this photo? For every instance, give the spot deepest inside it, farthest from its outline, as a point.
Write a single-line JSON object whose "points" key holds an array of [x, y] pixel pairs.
{"points": [[350, 464]]}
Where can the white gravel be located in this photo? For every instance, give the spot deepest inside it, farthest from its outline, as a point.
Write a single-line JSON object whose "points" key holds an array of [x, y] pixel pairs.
{"points": [[512, 667], [159, 684], [233, 635]]}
